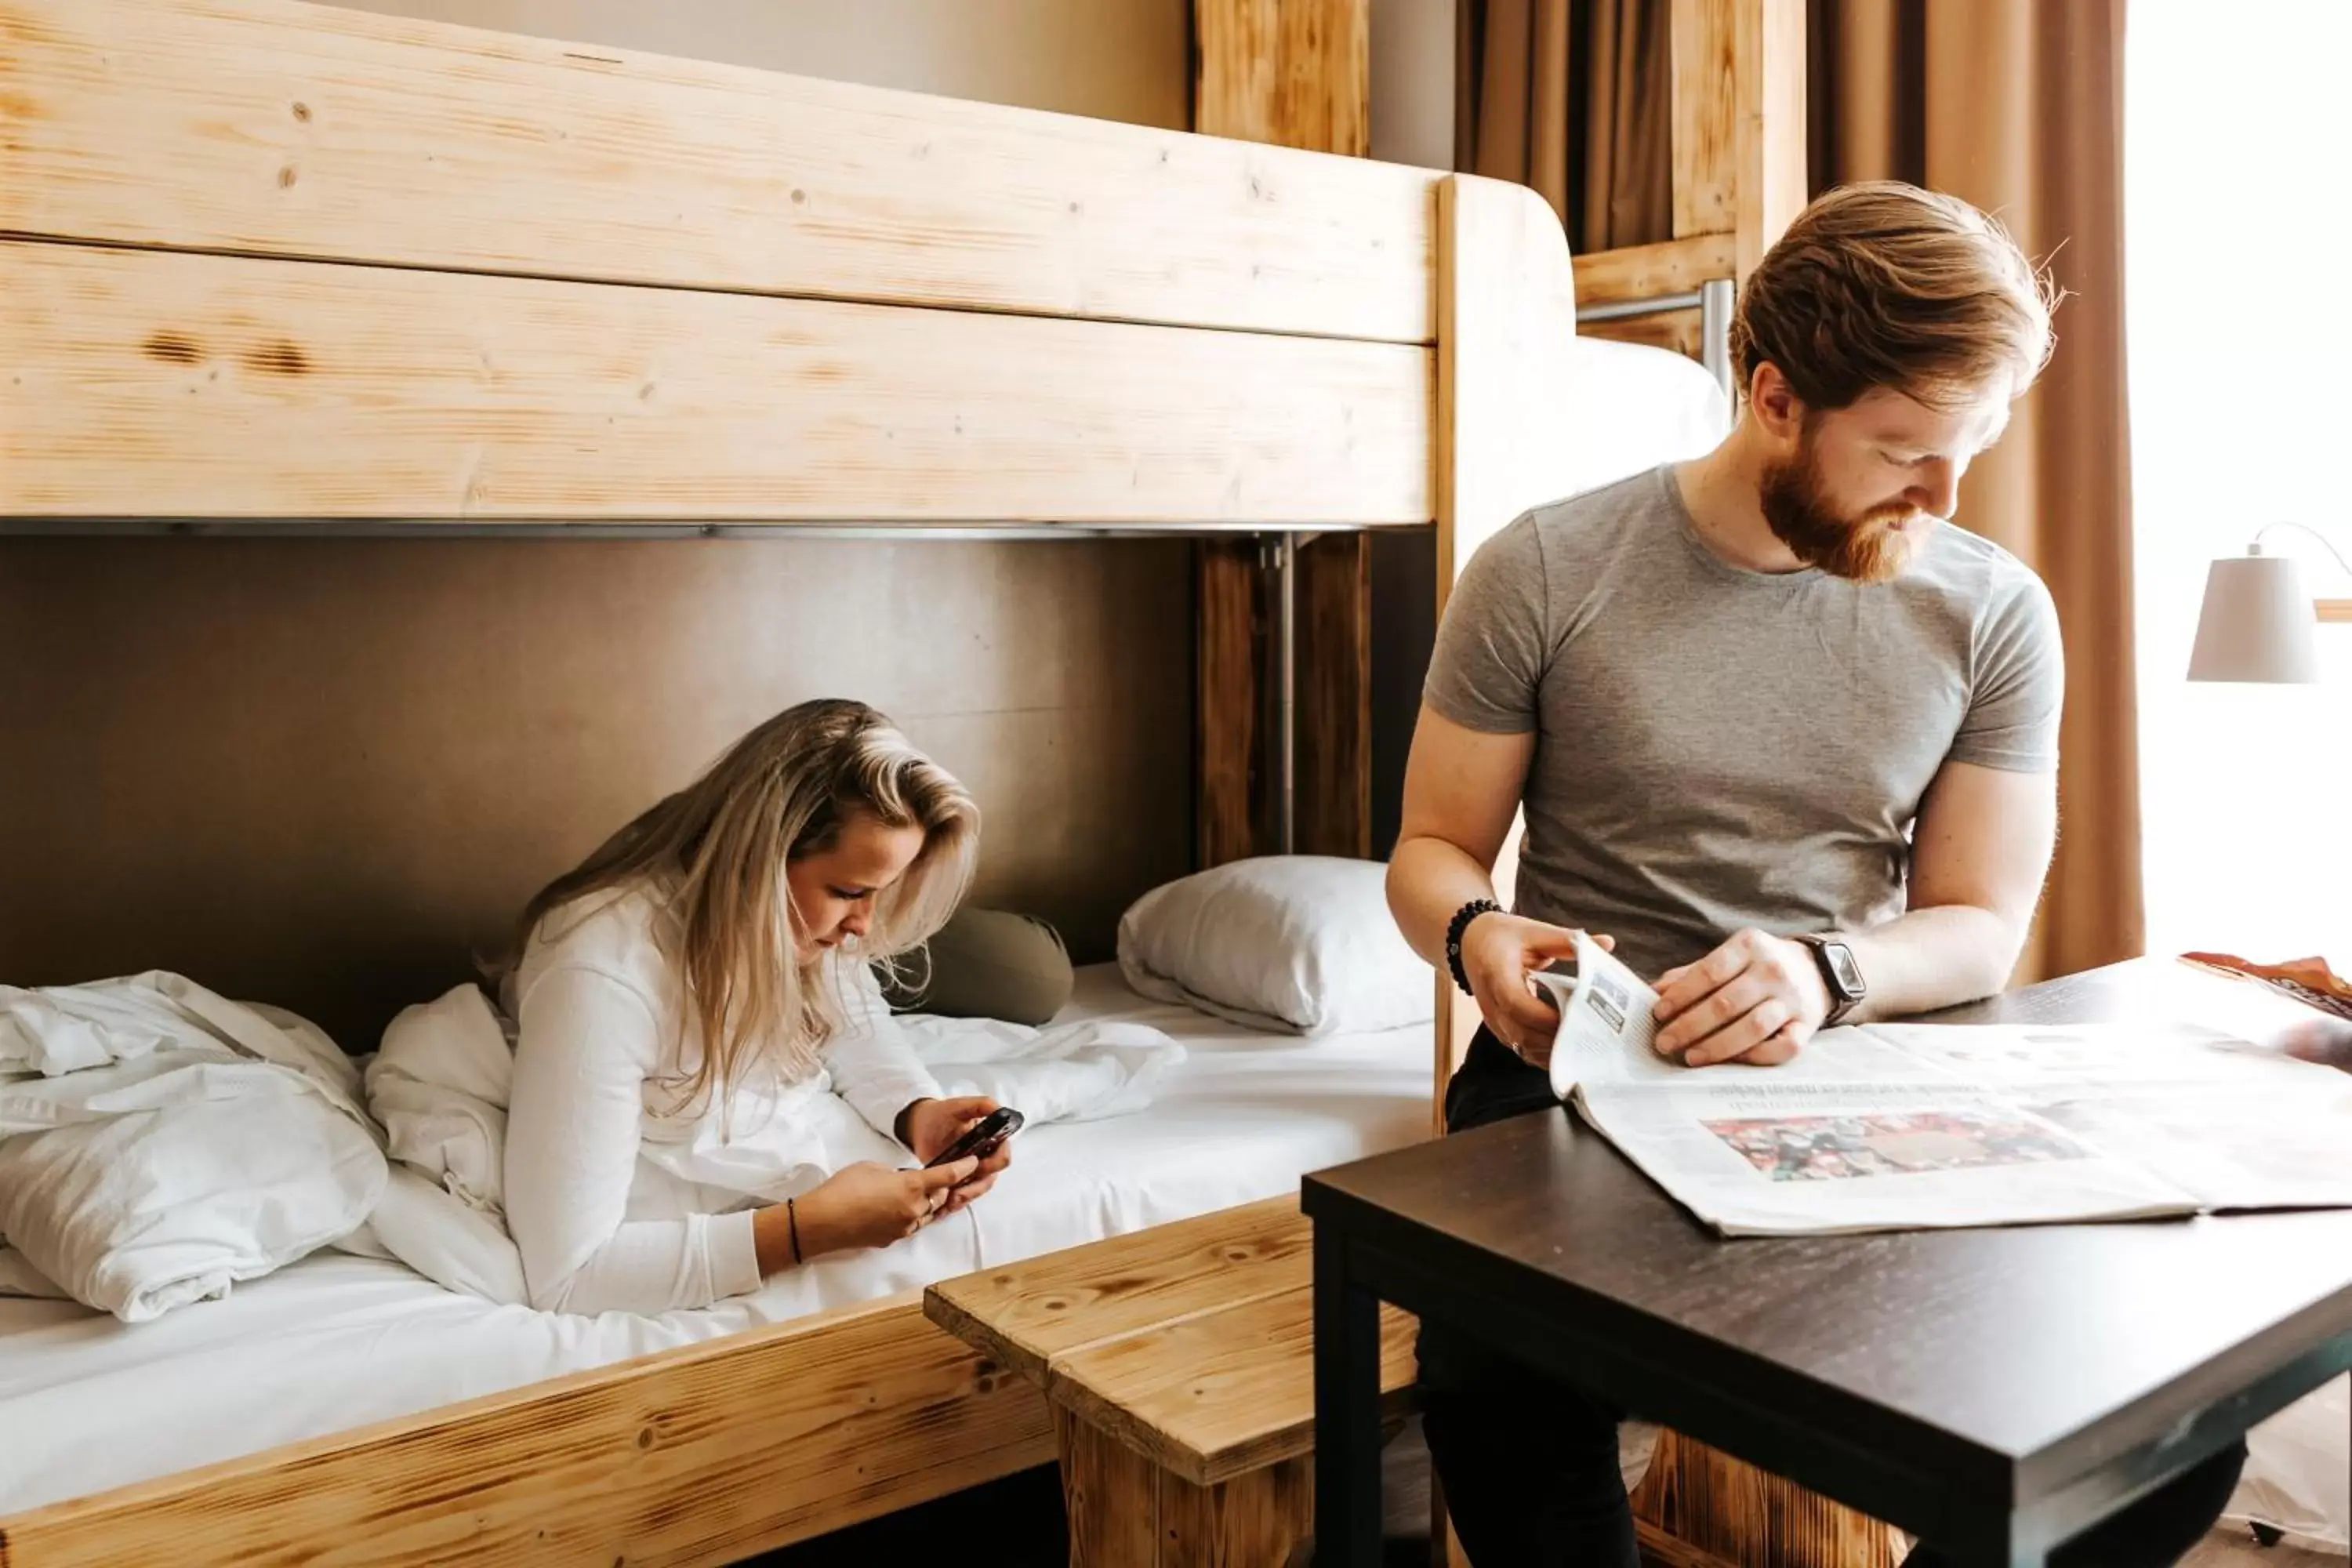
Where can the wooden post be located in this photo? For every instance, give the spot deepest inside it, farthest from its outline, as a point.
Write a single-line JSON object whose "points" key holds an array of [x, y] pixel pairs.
{"points": [[1296, 73], [1505, 315], [1738, 120]]}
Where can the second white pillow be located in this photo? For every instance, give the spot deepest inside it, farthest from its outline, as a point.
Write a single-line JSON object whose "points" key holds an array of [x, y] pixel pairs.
{"points": [[1299, 944]]}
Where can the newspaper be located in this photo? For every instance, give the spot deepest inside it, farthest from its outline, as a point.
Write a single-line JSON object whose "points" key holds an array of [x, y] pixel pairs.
{"points": [[1898, 1127]]}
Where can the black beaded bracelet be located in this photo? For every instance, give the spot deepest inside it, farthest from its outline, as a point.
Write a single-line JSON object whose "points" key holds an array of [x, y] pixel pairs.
{"points": [[1453, 930], [793, 1224]]}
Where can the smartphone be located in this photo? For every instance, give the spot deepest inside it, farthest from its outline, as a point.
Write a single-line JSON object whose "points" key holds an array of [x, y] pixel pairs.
{"points": [[983, 1139]]}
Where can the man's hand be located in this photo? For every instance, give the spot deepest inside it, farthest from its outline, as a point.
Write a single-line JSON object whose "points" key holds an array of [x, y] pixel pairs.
{"points": [[1499, 952], [1756, 999]]}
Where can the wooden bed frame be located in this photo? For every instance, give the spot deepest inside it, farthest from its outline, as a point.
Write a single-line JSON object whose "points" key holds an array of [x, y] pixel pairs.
{"points": [[272, 267]]}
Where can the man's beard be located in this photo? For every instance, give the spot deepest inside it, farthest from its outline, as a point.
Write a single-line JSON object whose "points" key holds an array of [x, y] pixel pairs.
{"points": [[1866, 549]]}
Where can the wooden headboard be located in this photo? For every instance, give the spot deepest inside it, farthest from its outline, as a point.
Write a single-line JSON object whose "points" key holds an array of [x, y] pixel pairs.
{"points": [[274, 270]]}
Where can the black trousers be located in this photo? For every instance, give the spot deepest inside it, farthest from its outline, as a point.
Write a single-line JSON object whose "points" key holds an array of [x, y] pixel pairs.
{"points": [[1529, 1463]]}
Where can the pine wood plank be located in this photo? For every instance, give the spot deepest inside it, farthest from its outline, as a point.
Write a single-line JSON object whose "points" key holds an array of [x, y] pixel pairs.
{"points": [[1333, 690], [1031, 1312], [1229, 741], [1768, 93], [1700, 35], [1110, 1495], [147, 384], [284, 129], [705, 1455], [1722, 1510], [1222, 1392], [1294, 73], [1124, 1512], [1660, 1549], [1647, 271], [1253, 1521], [1506, 311]]}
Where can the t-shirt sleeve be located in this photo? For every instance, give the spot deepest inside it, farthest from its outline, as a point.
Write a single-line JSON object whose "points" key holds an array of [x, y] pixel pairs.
{"points": [[2019, 686], [1488, 665]]}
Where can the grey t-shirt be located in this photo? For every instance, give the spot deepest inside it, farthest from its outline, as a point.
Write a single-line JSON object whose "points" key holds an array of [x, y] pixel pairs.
{"points": [[1718, 748]]}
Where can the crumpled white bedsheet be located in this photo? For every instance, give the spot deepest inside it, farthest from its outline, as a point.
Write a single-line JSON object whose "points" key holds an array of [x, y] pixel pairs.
{"points": [[159, 1143]]}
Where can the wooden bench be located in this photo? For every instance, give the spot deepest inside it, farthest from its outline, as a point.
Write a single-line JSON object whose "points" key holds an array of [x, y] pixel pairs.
{"points": [[1177, 1362], [1178, 1365]]}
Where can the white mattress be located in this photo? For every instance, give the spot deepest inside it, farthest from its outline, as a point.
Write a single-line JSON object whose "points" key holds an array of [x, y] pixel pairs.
{"points": [[337, 1341]]}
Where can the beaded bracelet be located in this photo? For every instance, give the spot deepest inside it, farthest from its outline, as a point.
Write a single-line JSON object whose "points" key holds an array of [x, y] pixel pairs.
{"points": [[1460, 923], [793, 1224]]}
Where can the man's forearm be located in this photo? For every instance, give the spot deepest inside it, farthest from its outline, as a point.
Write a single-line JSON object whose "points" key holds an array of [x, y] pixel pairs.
{"points": [[1935, 958], [1428, 880]]}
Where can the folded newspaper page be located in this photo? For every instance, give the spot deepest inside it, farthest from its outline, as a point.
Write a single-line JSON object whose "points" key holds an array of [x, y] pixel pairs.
{"points": [[1910, 1126]]}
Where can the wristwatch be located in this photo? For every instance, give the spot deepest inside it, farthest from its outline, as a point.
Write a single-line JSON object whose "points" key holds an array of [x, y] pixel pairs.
{"points": [[1839, 972]]}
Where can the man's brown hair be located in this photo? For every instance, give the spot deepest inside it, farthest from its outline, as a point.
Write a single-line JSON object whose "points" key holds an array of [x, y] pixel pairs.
{"points": [[1884, 284]]}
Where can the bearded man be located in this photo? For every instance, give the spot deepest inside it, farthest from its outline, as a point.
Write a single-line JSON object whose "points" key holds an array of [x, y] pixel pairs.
{"points": [[1782, 734]]}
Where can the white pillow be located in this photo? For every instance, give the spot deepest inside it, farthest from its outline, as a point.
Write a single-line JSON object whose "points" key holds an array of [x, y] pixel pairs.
{"points": [[1300, 944]]}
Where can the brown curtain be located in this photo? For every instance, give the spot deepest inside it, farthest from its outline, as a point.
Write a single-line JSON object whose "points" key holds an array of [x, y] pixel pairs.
{"points": [[2017, 106], [1565, 96]]}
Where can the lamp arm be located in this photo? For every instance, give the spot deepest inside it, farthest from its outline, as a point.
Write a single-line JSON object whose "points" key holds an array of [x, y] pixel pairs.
{"points": [[2324, 543]]}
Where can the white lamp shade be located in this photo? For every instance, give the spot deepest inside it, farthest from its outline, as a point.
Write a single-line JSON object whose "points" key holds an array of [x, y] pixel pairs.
{"points": [[2257, 623]]}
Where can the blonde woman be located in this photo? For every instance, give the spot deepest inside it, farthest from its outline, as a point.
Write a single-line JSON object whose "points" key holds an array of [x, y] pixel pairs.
{"points": [[697, 991]]}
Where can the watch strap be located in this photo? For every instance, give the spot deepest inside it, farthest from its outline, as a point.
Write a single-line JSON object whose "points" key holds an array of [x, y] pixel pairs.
{"points": [[1843, 999]]}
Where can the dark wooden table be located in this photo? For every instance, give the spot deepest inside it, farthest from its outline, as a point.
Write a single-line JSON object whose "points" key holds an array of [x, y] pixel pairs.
{"points": [[1996, 1390]]}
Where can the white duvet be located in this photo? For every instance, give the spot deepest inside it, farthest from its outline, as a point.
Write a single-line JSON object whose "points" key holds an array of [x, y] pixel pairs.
{"points": [[159, 1143]]}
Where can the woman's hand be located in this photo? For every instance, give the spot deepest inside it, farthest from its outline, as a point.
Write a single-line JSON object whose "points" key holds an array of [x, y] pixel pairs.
{"points": [[870, 1204], [929, 1126], [1499, 952]]}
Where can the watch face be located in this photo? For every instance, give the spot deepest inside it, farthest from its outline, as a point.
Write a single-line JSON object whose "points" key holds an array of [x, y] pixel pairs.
{"points": [[1842, 964]]}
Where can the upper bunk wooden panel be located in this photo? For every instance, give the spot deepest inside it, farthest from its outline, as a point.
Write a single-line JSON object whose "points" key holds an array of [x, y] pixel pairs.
{"points": [[151, 385], [275, 128]]}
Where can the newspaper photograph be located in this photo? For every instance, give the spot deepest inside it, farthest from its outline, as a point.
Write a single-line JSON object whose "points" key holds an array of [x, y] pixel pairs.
{"points": [[1905, 1126]]}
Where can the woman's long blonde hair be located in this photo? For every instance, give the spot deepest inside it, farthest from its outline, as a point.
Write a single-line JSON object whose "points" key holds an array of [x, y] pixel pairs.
{"points": [[715, 852]]}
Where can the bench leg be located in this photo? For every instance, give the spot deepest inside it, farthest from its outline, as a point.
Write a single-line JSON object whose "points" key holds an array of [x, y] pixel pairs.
{"points": [[1126, 1512]]}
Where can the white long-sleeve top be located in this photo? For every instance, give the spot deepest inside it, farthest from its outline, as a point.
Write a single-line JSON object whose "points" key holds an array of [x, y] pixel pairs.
{"points": [[610, 1194]]}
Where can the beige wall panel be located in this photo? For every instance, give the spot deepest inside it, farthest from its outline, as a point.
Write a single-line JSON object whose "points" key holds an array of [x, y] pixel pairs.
{"points": [[315, 772], [1412, 83], [1111, 59], [266, 126], [156, 384]]}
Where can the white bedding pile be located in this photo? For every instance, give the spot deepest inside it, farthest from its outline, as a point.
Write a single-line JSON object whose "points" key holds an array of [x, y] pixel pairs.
{"points": [[440, 1084], [335, 1341], [159, 1143]]}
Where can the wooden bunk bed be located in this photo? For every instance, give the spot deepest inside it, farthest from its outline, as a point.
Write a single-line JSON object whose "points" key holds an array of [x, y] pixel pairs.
{"points": [[274, 268]]}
